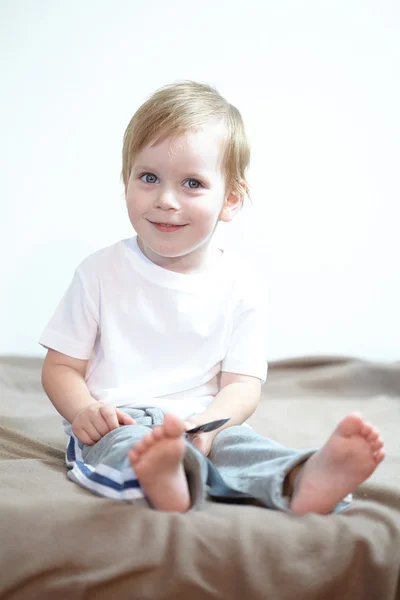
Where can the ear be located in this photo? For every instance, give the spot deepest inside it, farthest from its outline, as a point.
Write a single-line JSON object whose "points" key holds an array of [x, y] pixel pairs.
{"points": [[233, 203]]}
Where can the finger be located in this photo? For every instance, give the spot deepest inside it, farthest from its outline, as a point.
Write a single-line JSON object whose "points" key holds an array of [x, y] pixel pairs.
{"points": [[92, 432], [100, 423], [86, 434], [199, 443], [124, 418], [109, 415], [84, 438]]}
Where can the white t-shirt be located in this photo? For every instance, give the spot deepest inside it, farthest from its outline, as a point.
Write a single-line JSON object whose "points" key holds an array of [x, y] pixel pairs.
{"points": [[159, 338]]}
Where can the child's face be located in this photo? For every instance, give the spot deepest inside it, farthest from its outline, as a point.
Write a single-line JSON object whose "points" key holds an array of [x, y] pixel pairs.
{"points": [[176, 195]]}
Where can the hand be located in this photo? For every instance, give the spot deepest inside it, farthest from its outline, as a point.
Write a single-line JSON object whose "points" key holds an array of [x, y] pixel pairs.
{"points": [[97, 419], [201, 441]]}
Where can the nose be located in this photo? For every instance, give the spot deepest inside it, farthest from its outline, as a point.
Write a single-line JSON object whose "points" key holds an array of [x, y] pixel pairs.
{"points": [[166, 199]]}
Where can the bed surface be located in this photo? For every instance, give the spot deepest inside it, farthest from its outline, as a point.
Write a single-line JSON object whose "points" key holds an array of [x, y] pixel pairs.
{"points": [[60, 541]]}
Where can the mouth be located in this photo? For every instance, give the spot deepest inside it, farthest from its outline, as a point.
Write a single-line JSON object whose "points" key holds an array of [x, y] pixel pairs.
{"points": [[166, 227]]}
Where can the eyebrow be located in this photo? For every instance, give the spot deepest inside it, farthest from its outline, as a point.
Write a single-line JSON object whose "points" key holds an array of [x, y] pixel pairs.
{"points": [[143, 168]]}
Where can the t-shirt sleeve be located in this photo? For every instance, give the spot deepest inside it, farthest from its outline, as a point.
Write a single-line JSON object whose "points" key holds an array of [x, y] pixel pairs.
{"points": [[246, 354], [73, 328]]}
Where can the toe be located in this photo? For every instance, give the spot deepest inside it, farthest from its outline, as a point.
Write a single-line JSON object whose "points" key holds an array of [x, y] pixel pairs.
{"points": [[367, 430], [373, 436], [379, 456], [377, 444], [351, 425], [133, 456], [173, 427], [148, 439], [145, 443], [139, 447], [158, 433]]}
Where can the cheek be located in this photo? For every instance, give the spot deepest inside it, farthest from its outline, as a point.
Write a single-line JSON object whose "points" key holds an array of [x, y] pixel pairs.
{"points": [[203, 215], [129, 202], [134, 201], [133, 210], [208, 213]]}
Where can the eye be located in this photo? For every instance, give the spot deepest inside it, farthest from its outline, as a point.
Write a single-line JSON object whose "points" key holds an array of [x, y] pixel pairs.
{"points": [[148, 178], [193, 184]]}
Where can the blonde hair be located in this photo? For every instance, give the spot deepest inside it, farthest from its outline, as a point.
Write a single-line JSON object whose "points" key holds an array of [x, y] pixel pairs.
{"points": [[177, 108]]}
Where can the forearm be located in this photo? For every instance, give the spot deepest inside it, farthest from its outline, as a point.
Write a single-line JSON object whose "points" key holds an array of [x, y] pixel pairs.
{"points": [[236, 400], [66, 389]]}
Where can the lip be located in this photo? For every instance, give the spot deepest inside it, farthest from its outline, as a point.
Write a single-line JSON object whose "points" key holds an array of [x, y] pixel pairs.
{"points": [[165, 227]]}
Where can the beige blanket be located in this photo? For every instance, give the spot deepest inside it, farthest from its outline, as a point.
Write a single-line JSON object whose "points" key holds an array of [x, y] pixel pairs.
{"points": [[59, 541]]}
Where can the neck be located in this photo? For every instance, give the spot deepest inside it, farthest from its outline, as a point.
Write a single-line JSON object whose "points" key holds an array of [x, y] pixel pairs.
{"points": [[197, 261]]}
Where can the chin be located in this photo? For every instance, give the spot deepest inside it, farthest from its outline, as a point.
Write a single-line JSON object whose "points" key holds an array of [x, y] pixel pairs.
{"points": [[166, 251], [171, 253]]}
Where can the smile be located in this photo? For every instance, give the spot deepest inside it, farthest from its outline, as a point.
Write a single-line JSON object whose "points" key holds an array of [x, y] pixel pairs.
{"points": [[166, 227]]}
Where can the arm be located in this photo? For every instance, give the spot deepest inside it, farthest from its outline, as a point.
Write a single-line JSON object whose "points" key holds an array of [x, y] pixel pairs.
{"points": [[63, 380], [238, 398], [64, 383]]}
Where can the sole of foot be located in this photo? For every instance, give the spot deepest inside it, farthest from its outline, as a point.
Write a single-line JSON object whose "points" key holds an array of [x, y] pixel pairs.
{"points": [[349, 457], [158, 463]]}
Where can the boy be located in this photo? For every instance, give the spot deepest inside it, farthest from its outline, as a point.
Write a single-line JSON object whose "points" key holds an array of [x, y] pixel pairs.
{"points": [[165, 331]]}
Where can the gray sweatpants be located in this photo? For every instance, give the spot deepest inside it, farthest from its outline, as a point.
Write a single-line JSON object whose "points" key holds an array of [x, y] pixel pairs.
{"points": [[243, 466]]}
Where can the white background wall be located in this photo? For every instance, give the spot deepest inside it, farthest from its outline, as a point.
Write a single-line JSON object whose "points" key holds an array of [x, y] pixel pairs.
{"points": [[318, 83]]}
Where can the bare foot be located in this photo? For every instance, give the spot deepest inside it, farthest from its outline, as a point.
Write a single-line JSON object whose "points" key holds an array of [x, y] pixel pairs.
{"points": [[349, 457], [157, 461]]}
